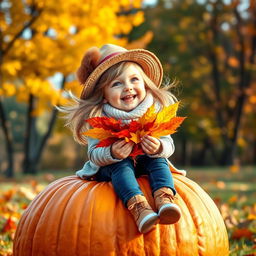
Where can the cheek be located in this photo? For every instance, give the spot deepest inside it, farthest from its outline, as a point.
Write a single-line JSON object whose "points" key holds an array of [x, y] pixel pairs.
{"points": [[112, 97], [107, 94], [143, 90]]}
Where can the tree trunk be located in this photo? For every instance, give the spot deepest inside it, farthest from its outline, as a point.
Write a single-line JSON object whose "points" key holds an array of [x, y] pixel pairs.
{"points": [[184, 155], [33, 151], [45, 137], [254, 152], [29, 141], [9, 172]]}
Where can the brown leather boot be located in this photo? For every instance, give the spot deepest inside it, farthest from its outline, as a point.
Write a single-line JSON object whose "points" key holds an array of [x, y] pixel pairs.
{"points": [[168, 212], [142, 212]]}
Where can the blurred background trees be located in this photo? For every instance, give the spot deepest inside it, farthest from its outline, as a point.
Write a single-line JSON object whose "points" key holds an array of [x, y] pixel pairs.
{"points": [[208, 45]]}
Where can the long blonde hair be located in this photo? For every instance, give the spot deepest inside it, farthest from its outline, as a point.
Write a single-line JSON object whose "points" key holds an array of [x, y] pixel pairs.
{"points": [[91, 106]]}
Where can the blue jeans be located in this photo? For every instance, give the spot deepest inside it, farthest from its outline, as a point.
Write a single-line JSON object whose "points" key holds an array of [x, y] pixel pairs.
{"points": [[123, 175]]}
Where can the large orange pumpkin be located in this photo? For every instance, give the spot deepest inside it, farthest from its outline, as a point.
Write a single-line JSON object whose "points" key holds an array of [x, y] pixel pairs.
{"points": [[76, 217]]}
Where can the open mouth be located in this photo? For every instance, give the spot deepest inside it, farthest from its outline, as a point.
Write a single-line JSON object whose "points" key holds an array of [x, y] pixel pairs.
{"points": [[129, 97]]}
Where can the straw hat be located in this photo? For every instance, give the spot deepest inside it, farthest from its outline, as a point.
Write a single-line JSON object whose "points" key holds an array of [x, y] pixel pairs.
{"points": [[96, 61]]}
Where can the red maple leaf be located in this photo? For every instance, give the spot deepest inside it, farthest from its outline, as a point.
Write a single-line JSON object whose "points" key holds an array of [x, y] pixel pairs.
{"points": [[107, 142], [136, 151], [107, 123]]}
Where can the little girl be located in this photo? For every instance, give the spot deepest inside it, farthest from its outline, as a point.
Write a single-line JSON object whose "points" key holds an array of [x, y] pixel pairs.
{"points": [[123, 84]]}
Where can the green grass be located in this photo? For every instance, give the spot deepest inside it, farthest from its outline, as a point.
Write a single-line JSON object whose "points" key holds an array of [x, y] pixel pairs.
{"points": [[221, 183]]}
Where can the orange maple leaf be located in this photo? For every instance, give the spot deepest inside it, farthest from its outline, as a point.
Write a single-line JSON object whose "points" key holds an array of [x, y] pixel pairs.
{"points": [[98, 133], [167, 128]]}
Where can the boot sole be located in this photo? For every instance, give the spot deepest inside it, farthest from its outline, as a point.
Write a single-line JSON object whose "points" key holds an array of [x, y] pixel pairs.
{"points": [[148, 223], [169, 214]]}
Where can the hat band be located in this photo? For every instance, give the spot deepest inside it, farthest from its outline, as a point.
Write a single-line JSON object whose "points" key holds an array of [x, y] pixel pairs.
{"points": [[108, 57]]}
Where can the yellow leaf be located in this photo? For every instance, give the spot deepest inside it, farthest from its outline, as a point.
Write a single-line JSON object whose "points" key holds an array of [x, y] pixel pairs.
{"points": [[149, 116], [167, 113], [234, 168], [159, 133], [9, 90], [98, 133], [135, 137]]}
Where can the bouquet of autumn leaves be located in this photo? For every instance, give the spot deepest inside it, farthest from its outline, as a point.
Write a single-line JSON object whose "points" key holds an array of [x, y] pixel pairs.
{"points": [[108, 130]]}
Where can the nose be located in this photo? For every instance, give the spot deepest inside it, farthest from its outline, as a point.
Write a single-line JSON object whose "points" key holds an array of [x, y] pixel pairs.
{"points": [[128, 86]]}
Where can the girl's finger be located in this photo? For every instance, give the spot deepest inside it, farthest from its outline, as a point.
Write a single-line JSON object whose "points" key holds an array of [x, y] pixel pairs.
{"points": [[149, 144], [150, 139], [146, 150], [128, 146], [120, 143], [147, 147]]}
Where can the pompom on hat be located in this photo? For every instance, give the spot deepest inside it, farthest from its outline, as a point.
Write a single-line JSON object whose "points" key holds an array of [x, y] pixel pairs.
{"points": [[97, 60]]}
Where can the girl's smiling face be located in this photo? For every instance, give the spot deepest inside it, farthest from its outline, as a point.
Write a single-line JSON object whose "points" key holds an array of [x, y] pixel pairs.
{"points": [[127, 90]]}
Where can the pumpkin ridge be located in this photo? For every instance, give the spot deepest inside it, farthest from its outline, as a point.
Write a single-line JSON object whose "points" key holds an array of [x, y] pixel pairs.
{"points": [[185, 222], [85, 209], [86, 185], [54, 208], [74, 185], [19, 230], [196, 219], [75, 193], [38, 204], [117, 233], [212, 209]]}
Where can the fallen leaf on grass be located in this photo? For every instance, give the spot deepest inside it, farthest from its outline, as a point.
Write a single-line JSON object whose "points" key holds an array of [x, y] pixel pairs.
{"points": [[242, 232]]}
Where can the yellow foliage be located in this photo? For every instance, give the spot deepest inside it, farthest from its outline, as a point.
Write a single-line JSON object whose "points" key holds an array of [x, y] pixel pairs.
{"points": [[241, 142], [8, 89], [11, 67], [74, 87], [141, 42], [56, 41], [21, 94], [138, 18]]}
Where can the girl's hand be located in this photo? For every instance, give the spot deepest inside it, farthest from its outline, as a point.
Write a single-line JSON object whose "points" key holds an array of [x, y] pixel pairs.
{"points": [[151, 145], [121, 149]]}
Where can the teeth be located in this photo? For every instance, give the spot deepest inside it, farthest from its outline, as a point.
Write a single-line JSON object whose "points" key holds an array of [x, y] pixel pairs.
{"points": [[128, 97]]}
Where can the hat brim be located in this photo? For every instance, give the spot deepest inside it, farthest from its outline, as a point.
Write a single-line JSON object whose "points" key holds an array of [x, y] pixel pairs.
{"points": [[146, 59]]}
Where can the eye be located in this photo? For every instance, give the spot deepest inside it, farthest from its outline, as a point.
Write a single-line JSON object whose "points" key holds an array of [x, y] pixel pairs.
{"points": [[116, 84], [134, 79]]}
